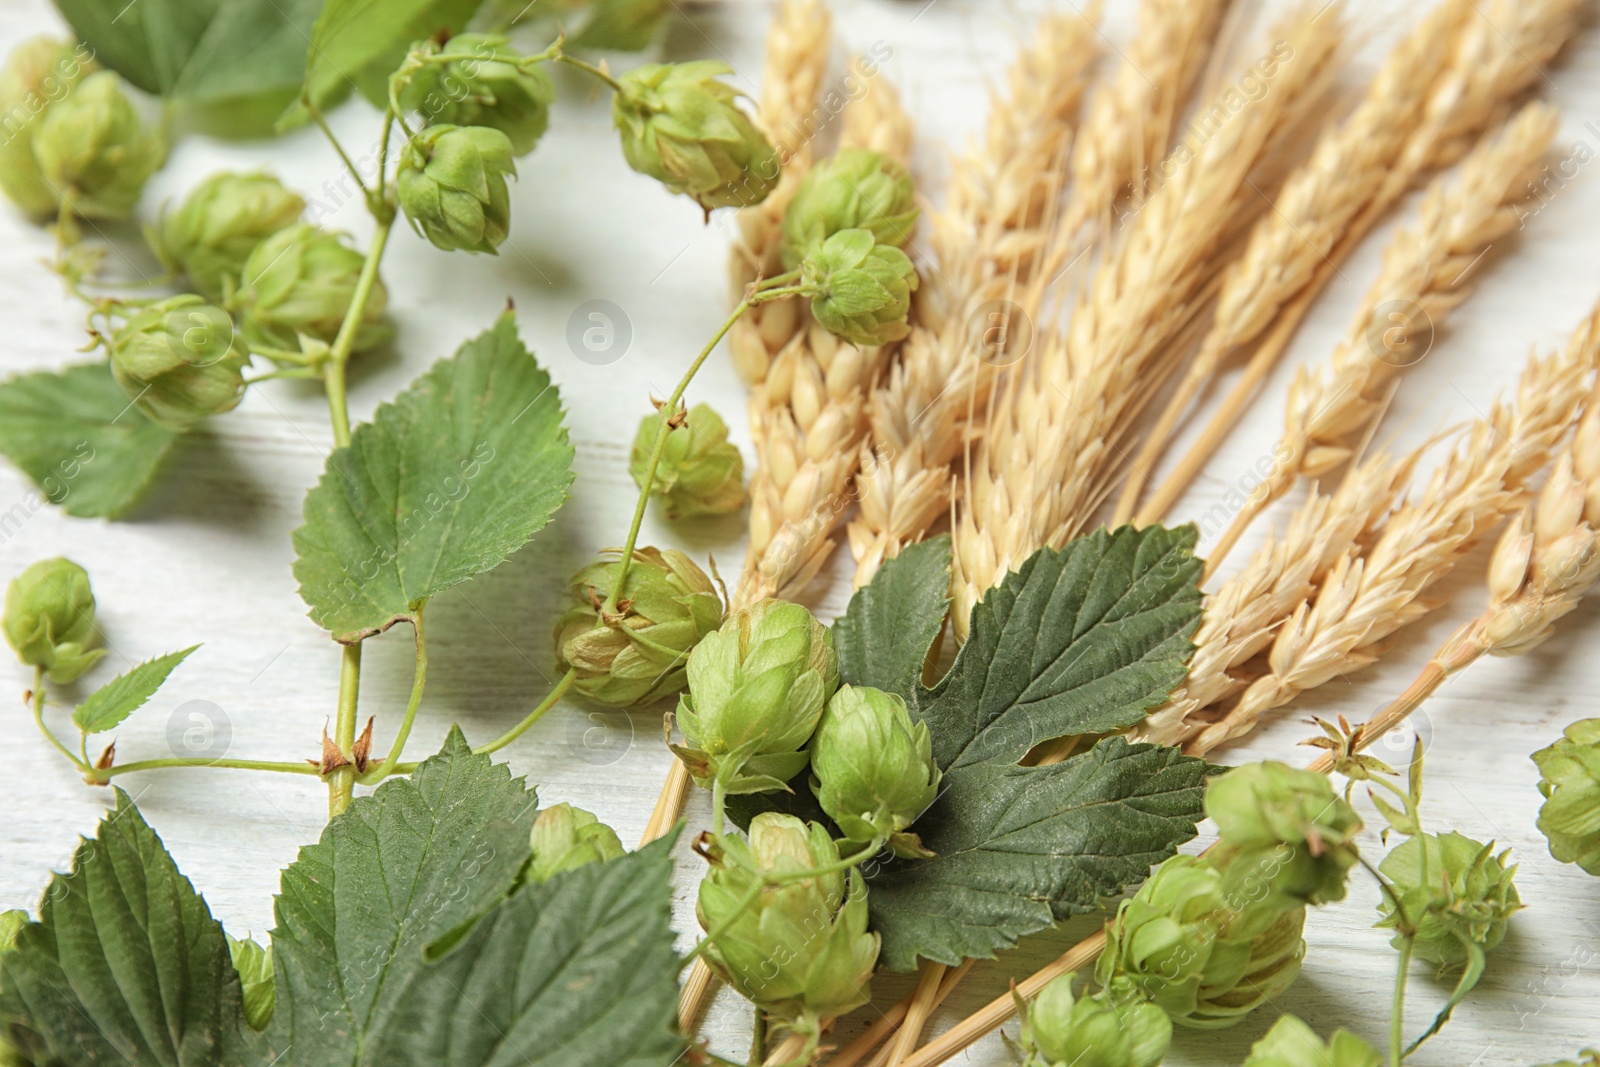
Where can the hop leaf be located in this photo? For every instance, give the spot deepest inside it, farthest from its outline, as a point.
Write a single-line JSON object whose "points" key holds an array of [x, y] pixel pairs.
{"points": [[212, 233], [863, 289], [483, 83], [452, 186], [1569, 773], [700, 472], [49, 619], [855, 189]]}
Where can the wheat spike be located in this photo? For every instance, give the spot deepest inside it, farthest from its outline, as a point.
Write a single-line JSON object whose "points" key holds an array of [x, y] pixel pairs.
{"points": [[1052, 439], [791, 113], [1368, 595], [986, 242]]}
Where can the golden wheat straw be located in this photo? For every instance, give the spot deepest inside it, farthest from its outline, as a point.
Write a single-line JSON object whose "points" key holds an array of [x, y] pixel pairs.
{"points": [[989, 242], [1054, 435], [1496, 52]]}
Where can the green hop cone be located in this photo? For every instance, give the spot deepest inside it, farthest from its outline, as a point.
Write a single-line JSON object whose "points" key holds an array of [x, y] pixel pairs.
{"points": [[179, 362], [802, 951], [1569, 778], [565, 838], [683, 127], [1291, 1043], [701, 471], [482, 85], [254, 964], [212, 233], [1115, 1027], [640, 652], [863, 288], [93, 148], [1285, 824], [452, 186], [38, 72], [1206, 956], [757, 688], [300, 282], [855, 189], [49, 619], [1468, 898], [872, 767]]}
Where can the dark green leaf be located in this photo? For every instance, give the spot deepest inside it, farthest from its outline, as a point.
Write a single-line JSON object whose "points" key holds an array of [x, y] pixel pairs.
{"points": [[202, 51], [126, 964], [884, 636], [80, 439], [1017, 848], [397, 871], [1081, 641], [357, 44], [127, 693], [445, 483], [575, 972]]}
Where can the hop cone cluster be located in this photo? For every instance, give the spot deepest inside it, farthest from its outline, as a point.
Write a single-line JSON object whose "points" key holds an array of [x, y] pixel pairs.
{"points": [[1462, 896], [49, 619], [700, 471], [1115, 1027], [565, 838], [212, 233], [1569, 778], [1291, 1043]]}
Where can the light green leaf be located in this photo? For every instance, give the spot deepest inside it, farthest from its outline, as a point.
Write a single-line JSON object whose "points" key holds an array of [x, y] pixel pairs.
{"points": [[622, 25], [357, 44], [80, 439], [203, 51], [397, 871], [126, 964], [575, 972], [127, 693], [1018, 848], [884, 636], [445, 483]]}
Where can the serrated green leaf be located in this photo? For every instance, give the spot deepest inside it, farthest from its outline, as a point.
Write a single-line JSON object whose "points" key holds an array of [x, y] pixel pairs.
{"points": [[575, 972], [445, 483], [126, 964], [397, 871], [204, 51], [1081, 641], [884, 636], [357, 44], [80, 439], [126, 693], [1018, 848]]}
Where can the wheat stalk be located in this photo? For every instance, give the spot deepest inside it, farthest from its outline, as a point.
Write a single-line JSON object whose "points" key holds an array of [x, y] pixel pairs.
{"points": [[987, 242], [1368, 595], [1037, 477]]}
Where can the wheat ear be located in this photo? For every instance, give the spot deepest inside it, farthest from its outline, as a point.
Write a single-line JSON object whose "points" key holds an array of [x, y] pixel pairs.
{"points": [[1051, 441], [1370, 594], [798, 44], [987, 242], [1495, 53]]}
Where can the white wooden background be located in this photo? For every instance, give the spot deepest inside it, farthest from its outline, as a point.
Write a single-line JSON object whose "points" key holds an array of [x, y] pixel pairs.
{"points": [[207, 557]]}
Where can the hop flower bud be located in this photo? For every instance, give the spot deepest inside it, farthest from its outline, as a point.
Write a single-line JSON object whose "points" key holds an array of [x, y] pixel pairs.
{"points": [[856, 189], [640, 652], [1291, 1043], [212, 233], [92, 146], [756, 691], [259, 992], [801, 951], [482, 85], [1288, 822], [681, 126], [864, 288], [49, 619], [565, 838], [873, 767], [1569, 778], [1467, 898], [38, 72], [1114, 1028], [452, 186], [178, 362], [701, 471], [1206, 956], [300, 281]]}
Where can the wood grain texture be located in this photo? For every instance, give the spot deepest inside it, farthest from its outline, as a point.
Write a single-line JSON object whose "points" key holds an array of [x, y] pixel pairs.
{"points": [[207, 557]]}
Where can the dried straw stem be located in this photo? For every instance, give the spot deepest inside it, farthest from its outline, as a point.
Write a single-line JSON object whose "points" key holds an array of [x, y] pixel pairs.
{"points": [[1424, 277], [993, 246], [1495, 52], [1037, 478], [1368, 595]]}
